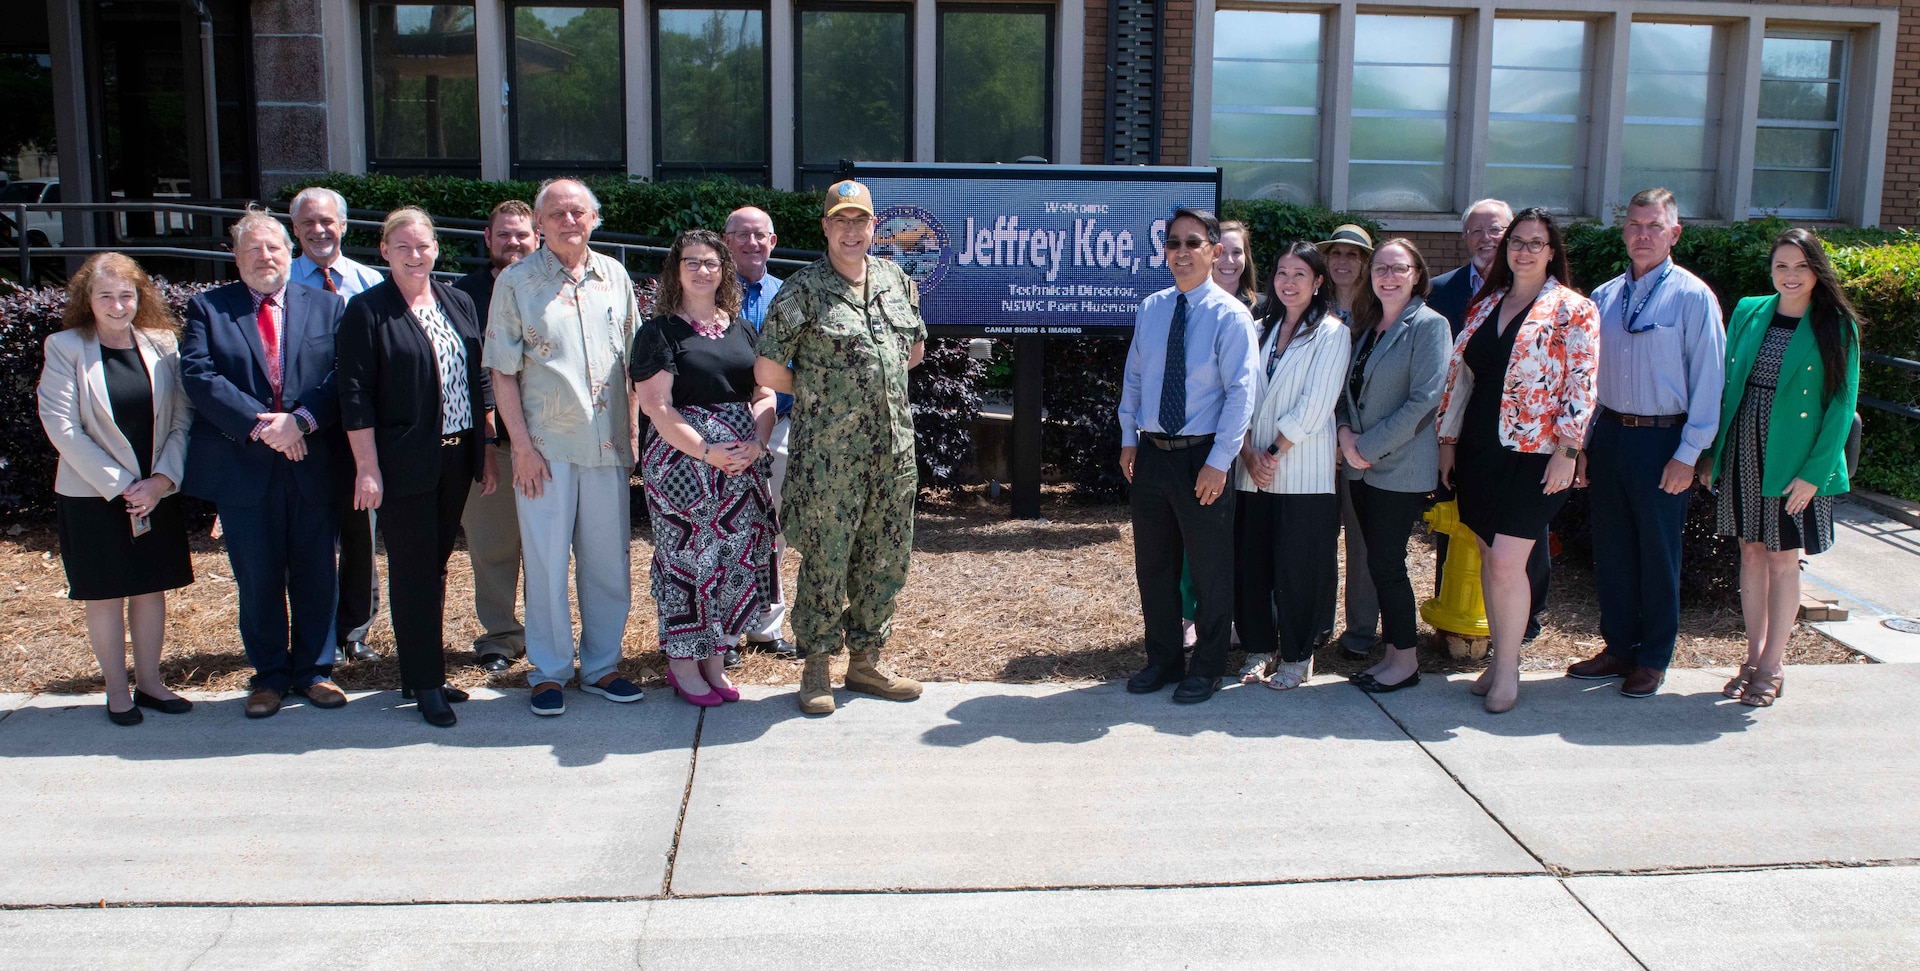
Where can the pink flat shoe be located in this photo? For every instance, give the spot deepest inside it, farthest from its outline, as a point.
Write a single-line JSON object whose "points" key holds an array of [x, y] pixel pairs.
{"points": [[711, 699]]}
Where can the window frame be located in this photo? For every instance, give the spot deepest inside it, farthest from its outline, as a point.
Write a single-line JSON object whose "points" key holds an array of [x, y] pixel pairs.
{"points": [[664, 169], [801, 168], [401, 165], [1458, 86], [1584, 120], [1726, 123], [1326, 76], [549, 168], [1843, 67], [1050, 11]]}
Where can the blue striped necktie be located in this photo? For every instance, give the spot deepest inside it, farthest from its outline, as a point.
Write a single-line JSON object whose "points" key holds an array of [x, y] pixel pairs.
{"points": [[1173, 384]]}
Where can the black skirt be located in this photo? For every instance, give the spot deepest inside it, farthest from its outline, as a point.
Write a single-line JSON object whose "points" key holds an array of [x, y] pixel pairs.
{"points": [[1499, 489], [103, 559]]}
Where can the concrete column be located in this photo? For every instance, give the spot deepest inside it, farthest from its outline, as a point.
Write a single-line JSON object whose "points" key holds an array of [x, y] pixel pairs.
{"points": [[79, 157], [1069, 75], [781, 110], [924, 60], [300, 124], [490, 59], [638, 63], [1336, 116]]}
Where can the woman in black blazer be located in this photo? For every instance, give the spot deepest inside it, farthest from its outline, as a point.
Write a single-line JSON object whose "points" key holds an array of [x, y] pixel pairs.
{"points": [[415, 403]]}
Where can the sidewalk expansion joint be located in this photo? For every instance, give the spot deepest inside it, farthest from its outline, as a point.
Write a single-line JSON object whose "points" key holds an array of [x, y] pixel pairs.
{"points": [[686, 798], [1601, 923], [1559, 875]]}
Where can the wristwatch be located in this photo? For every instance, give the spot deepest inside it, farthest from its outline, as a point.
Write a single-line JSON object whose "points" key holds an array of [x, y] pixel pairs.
{"points": [[1570, 451], [299, 421]]}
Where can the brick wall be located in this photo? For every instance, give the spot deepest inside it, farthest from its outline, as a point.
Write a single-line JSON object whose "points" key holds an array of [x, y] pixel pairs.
{"points": [[1900, 200], [290, 85], [1093, 106], [1176, 83]]}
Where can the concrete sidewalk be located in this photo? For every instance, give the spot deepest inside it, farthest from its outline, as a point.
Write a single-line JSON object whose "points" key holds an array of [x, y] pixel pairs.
{"points": [[986, 825], [1873, 570]]}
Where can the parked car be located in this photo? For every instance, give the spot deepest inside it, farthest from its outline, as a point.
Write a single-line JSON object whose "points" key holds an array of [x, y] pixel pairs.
{"points": [[43, 228]]}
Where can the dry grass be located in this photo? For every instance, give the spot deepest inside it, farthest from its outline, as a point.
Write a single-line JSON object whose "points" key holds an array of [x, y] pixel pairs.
{"points": [[989, 599]]}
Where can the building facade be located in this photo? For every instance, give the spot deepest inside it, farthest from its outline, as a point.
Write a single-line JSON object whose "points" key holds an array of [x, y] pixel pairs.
{"points": [[1404, 110]]}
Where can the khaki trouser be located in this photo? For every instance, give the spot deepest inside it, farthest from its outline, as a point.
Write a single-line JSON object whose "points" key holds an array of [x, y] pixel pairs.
{"points": [[493, 546]]}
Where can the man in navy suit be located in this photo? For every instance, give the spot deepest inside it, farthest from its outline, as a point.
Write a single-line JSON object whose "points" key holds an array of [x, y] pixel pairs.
{"points": [[1481, 227], [256, 359]]}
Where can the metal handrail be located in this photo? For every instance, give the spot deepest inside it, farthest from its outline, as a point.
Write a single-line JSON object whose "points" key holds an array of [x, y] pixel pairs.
{"points": [[1900, 363], [621, 246]]}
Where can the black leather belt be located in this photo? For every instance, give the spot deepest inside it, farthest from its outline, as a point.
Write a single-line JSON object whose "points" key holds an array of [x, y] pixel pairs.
{"points": [[1174, 443], [1642, 421]]}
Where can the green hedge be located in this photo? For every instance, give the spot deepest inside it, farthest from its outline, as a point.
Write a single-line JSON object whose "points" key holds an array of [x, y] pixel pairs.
{"points": [[1881, 272]]}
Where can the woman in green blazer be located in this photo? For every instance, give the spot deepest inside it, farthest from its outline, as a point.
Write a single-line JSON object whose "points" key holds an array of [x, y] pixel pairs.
{"points": [[1793, 372]]}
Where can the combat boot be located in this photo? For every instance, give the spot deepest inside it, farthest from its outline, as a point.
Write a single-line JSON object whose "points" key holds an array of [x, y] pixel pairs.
{"points": [[816, 685], [864, 674]]}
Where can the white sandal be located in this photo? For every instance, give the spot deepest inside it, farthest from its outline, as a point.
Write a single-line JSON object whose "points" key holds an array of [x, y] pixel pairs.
{"points": [[1255, 668], [1291, 674]]}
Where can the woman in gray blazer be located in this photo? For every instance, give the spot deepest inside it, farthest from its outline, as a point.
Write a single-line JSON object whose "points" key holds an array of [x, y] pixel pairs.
{"points": [[1388, 444], [112, 404]]}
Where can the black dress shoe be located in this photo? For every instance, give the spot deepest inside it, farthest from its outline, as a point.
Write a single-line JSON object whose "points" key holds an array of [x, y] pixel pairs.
{"points": [[454, 695], [778, 645], [169, 706], [1195, 690], [433, 707], [1373, 685], [730, 658], [1152, 678], [358, 651], [495, 663], [1533, 630], [131, 716]]}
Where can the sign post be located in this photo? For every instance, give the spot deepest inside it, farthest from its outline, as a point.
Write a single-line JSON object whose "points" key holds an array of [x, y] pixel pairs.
{"points": [[1031, 252]]}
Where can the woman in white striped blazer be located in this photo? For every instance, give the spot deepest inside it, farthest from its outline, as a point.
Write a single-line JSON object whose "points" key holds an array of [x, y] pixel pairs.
{"points": [[1287, 512]]}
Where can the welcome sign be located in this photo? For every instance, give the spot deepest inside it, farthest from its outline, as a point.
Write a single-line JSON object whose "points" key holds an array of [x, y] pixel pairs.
{"points": [[1006, 250]]}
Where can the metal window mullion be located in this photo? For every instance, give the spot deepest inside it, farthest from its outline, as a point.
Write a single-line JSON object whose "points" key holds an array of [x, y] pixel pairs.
{"points": [[1337, 122]]}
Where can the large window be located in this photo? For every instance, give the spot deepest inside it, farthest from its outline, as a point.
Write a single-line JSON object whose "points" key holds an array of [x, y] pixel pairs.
{"points": [[1402, 139], [568, 90], [710, 92], [1676, 74], [1265, 131], [1537, 114], [855, 88], [1802, 99], [423, 105], [996, 83]]}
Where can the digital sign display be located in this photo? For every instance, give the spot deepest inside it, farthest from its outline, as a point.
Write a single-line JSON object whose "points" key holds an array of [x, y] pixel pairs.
{"points": [[1005, 250]]}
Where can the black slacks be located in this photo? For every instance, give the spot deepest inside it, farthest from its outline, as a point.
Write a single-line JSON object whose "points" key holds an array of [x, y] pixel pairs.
{"points": [[1287, 565], [420, 530], [1169, 523], [1386, 520]]}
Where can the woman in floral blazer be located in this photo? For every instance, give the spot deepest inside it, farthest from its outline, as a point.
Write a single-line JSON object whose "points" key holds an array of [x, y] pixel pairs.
{"points": [[1530, 348]]}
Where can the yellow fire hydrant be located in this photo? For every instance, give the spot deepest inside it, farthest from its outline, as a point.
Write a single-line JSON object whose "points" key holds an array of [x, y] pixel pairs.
{"points": [[1460, 609]]}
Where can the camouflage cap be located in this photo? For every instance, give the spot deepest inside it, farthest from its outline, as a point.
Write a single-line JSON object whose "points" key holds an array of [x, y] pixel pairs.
{"points": [[849, 194]]}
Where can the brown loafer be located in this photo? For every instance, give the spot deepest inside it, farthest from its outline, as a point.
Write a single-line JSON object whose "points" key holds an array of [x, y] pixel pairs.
{"points": [[1600, 667], [263, 703], [325, 694], [1642, 682]]}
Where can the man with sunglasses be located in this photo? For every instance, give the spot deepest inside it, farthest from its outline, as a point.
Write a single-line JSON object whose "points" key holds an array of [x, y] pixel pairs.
{"points": [[840, 338], [1185, 403], [1661, 364], [750, 238]]}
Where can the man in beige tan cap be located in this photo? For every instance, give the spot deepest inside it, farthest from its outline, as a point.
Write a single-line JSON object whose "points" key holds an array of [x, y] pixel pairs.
{"points": [[850, 325]]}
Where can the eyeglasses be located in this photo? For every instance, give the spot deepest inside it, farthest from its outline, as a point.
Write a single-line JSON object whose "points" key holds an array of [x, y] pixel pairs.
{"points": [[711, 266], [1393, 269], [1528, 245], [1490, 232], [848, 222], [1191, 242], [753, 236]]}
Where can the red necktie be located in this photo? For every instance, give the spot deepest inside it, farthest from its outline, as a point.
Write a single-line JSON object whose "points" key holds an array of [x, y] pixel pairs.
{"points": [[270, 343], [326, 280]]}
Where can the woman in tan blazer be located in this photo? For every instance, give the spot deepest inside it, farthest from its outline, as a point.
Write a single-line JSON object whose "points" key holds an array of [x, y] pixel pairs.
{"points": [[112, 404]]}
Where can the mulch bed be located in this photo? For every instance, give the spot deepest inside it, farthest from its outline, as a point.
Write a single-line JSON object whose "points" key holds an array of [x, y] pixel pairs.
{"points": [[989, 599]]}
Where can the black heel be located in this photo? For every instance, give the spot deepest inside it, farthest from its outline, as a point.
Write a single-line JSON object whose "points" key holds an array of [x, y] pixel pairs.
{"points": [[454, 695], [433, 707]]}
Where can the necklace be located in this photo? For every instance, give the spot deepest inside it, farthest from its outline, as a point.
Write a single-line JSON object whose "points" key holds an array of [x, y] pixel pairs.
{"points": [[711, 330]]}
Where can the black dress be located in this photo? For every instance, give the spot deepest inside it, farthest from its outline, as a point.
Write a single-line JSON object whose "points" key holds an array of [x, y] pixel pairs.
{"points": [[103, 559], [1499, 489]]}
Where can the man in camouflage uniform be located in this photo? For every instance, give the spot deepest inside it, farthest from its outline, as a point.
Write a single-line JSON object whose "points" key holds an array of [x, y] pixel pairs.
{"points": [[850, 324]]}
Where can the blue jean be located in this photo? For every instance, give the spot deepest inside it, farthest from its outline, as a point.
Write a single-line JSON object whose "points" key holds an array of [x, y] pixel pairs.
{"points": [[1636, 540]]}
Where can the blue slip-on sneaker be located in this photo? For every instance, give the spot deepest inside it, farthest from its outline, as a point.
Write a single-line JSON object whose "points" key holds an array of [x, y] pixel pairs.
{"points": [[549, 702], [619, 690]]}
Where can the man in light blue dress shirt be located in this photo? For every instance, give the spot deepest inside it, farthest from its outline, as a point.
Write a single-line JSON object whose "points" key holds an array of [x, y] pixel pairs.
{"points": [[1185, 403], [319, 220], [750, 238], [1662, 357]]}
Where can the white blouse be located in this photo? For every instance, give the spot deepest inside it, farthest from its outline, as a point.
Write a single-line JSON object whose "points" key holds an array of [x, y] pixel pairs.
{"points": [[1294, 394]]}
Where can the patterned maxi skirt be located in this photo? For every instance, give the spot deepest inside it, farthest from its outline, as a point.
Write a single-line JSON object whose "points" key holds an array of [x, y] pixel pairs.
{"points": [[1740, 509], [713, 536]]}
